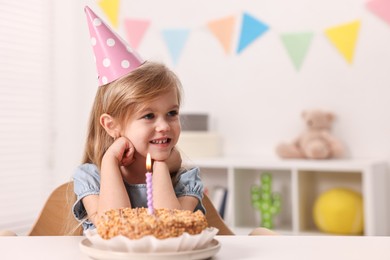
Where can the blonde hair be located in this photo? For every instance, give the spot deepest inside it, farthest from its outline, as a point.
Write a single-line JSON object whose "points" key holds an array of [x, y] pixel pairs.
{"points": [[123, 97]]}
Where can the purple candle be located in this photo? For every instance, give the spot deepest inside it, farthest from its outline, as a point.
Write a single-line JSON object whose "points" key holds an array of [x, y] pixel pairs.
{"points": [[149, 184]]}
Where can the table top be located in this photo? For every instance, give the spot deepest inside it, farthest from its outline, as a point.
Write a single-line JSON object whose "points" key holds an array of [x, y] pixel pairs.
{"points": [[232, 247]]}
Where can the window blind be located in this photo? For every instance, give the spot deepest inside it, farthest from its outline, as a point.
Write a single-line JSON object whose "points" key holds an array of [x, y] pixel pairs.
{"points": [[25, 111]]}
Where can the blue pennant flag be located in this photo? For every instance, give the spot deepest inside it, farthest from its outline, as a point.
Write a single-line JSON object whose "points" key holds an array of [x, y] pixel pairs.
{"points": [[175, 41], [251, 29]]}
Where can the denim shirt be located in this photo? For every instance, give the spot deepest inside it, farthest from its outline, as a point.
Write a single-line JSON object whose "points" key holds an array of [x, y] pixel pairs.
{"points": [[87, 182]]}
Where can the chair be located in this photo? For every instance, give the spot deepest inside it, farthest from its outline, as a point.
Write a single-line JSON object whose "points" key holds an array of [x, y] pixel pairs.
{"points": [[56, 218], [213, 217]]}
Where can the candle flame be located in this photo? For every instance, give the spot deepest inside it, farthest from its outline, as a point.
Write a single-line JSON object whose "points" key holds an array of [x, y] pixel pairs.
{"points": [[148, 163]]}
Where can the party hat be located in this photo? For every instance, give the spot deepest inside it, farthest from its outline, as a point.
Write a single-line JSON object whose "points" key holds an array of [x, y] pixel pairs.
{"points": [[113, 56]]}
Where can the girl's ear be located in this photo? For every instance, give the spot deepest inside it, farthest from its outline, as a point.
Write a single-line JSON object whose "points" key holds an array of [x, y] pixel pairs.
{"points": [[110, 125]]}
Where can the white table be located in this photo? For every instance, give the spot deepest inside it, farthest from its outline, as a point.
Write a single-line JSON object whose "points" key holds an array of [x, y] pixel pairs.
{"points": [[232, 247]]}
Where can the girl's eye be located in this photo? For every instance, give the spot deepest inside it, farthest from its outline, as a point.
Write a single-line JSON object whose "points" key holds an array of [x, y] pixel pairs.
{"points": [[173, 113], [148, 116]]}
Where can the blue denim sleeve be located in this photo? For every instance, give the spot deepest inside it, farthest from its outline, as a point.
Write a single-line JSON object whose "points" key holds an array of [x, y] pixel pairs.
{"points": [[190, 184], [86, 181]]}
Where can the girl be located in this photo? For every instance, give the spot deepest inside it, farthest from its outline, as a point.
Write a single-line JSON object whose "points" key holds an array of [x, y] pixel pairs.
{"points": [[132, 115]]}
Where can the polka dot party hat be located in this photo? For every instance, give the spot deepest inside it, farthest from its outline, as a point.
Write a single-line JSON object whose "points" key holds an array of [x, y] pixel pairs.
{"points": [[113, 56]]}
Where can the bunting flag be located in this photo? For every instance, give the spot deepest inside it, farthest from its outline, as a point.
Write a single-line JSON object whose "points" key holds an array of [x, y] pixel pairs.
{"points": [[381, 8], [135, 30], [175, 41], [223, 30], [344, 38], [251, 29], [111, 10], [297, 45]]}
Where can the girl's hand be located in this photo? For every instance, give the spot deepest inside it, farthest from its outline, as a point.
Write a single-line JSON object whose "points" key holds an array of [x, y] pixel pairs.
{"points": [[174, 160], [122, 150], [163, 190], [171, 164]]}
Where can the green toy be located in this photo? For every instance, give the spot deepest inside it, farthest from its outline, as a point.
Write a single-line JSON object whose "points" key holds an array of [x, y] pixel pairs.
{"points": [[267, 202]]}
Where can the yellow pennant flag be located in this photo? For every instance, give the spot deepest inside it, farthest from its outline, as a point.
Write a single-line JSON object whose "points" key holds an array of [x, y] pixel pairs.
{"points": [[111, 9], [223, 31], [344, 38]]}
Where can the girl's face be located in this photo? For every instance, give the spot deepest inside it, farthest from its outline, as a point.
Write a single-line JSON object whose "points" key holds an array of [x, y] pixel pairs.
{"points": [[155, 128]]}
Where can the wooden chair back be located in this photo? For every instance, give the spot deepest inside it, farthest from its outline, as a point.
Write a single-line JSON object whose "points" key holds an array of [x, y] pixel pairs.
{"points": [[56, 217], [214, 219]]}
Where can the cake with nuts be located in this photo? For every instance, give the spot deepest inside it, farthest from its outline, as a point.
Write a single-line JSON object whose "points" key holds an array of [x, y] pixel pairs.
{"points": [[136, 223]]}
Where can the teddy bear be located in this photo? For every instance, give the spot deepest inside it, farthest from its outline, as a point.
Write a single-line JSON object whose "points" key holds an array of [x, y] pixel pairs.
{"points": [[316, 142]]}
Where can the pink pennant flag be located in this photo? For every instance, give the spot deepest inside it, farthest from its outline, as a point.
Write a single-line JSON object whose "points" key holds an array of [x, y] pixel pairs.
{"points": [[381, 8], [223, 30], [135, 31]]}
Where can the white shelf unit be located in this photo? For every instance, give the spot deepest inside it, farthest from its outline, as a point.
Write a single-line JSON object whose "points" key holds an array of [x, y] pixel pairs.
{"points": [[299, 182]]}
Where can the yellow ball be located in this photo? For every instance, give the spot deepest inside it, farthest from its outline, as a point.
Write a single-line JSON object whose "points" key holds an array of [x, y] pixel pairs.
{"points": [[339, 211]]}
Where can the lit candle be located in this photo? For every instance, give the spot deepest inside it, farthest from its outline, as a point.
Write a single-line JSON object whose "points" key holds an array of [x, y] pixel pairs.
{"points": [[149, 184]]}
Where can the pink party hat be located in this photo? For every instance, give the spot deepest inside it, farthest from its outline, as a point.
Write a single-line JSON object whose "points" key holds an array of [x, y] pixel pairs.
{"points": [[113, 56]]}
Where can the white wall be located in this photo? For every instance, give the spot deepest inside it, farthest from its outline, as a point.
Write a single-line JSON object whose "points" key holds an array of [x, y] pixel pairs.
{"points": [[255, 98], [74, 86]]}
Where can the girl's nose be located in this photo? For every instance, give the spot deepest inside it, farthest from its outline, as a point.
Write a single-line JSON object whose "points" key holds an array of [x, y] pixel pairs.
{"points": [[162, 125]]}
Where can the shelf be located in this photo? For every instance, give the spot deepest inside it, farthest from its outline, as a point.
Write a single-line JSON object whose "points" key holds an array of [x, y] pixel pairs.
{"points": [[299, 182]]}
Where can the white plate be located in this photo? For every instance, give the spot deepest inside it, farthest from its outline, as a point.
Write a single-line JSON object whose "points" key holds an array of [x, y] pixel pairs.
{"points": [[151, 244], [96, 253]]}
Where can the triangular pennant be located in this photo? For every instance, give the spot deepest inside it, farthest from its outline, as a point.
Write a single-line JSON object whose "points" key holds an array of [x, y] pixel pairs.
{"points": [[111, 10], [175, 40], [223, 30], [297, 45], [381, 8], [135, 30], [251, 29], [344, 38]]}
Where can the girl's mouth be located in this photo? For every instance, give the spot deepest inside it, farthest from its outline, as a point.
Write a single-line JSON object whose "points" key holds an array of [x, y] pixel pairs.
{"points": [[161, 141]]}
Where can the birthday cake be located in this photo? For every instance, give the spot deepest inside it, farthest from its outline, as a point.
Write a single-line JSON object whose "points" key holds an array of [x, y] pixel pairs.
{"points": [[135, 223]]}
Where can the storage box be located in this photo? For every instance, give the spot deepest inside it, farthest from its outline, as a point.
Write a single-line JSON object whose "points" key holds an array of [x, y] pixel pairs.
{"points": [[194, 122], [200, 144]]}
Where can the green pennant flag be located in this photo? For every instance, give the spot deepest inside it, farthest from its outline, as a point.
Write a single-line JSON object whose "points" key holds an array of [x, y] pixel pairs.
{"points": [[297, 45]]}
